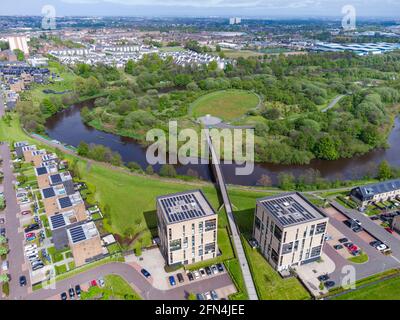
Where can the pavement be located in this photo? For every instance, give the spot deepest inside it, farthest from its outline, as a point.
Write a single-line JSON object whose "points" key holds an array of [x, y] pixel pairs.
{"points": [[13, 229], [141, 285], [333, 103]]}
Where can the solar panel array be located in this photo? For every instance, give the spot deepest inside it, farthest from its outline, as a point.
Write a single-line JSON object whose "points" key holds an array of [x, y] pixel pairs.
{"points": [[41, 170], [77, 234], [65, 202], [56, 178], [48, 193], [57, 221], [182, 207], [288, 210]]}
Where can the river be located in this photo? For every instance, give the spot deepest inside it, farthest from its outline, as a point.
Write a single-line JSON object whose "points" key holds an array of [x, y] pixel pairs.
{"points": [[67, 127]]}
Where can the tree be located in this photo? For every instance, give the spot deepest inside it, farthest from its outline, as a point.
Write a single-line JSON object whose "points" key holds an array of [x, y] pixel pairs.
{"points": [[3, 240], [3, 251], [149, 170], [20, 54], [4, 278], [191, 296], [286, 181], [385, 172], [168, 170], [325, 149], [22, 179], [133, 166], [83, 149], [264, 181]]}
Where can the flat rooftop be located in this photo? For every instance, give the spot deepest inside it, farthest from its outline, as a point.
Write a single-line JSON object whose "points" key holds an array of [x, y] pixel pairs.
{"points": [[185, 206], [46, 170], [60, 177], [291, 209]]}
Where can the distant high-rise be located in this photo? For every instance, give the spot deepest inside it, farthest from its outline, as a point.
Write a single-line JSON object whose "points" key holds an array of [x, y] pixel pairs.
{"points": [[235, 20], [20, 43]]}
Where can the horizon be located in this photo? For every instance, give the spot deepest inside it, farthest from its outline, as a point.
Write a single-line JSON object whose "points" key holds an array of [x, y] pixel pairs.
{"points": [[251, 9]]}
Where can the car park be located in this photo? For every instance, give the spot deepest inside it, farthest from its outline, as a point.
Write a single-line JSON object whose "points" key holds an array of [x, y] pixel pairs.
{"points": [[63, 296], [22, 281], [180, 277], [145, 273], [220, 267], [171, 280], [214, 295]]}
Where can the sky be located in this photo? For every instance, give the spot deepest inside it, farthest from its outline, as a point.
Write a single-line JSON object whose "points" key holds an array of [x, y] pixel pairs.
{"points": [[243, 8]]}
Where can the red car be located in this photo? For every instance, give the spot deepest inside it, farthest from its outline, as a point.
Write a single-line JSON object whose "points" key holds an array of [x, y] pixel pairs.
{"points": [[29, 235], [26, 212], [93, 283], [353, 248], [389, 230]]}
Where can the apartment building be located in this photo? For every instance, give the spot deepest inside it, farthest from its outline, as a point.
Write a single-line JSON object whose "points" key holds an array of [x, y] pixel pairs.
{"points": [[85, 243], [187, 227], [381, 191], [289, 230]]}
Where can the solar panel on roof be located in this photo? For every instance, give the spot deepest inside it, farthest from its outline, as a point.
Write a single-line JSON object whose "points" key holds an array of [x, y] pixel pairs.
{"points": [[57, 221], [41, 170], [56, 178], [77, 234], [65, 202], [48, 193]]}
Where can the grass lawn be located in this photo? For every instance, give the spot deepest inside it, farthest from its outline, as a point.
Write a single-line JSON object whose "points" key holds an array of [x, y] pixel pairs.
{"points": [[385, 290], [116, 288], [235, 272], [269, 284], [227, 105], [362, 258]]}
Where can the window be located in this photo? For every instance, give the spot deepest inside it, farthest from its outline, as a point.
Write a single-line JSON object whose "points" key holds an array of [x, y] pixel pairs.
{"points": [[200, 227], [287, 248], [170, 234], [274, 256], [284, 237], [185, 242], [209, 247], [312, 230], [192, 241], [211, 224], [278, 233], [175, 245], [296, 245], [321, 227], [192, 228], [171, 258], [257, 223], [316, 251], [200, 250], [183, 230]]}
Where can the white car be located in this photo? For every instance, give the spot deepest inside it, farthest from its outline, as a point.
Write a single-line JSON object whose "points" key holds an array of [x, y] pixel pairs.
{"points": [[381, 247], [30, 247], [202, 272], [101, 282], [196, 274], [207, 295], [4, 266], [214, 269], [31, 253]]}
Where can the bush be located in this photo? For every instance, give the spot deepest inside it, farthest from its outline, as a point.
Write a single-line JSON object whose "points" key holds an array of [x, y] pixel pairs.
{"points": [[168, 170], [6, 288]]}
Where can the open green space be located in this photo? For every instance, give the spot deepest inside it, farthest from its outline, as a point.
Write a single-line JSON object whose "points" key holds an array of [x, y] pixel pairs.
{"points": [[227, 105], [386, 290], [362, 258], [116, 288]]}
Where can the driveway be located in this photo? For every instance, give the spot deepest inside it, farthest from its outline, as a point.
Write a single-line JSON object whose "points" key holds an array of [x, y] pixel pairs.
{"points": [[14, 232], [137, 281]]}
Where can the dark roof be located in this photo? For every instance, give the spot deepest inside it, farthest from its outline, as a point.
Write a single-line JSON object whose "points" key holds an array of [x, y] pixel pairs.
{"points": [[69, 187], [40, 171], [369, 191], [183, 206], [291, 208], [65, 202], [48, 193], [60, 236], [55, 178]]}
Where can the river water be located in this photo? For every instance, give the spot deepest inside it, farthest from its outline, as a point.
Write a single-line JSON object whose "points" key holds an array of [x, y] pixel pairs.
{"points": [[67, 127]]}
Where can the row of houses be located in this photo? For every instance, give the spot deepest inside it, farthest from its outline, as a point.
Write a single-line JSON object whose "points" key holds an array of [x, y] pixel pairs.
{"points": [[69, 220]]}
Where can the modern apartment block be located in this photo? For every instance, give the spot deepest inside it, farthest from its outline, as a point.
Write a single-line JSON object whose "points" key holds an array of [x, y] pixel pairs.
{"points": [[187, 227], [289, 230], [381, 191]]}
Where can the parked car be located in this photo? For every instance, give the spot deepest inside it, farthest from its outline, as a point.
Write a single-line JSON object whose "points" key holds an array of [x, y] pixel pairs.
{"points": [[323, 278], [171, 280], [2, 232], [29, 235], [196, 274], [214, 269], [374, 218], [4, 266], [208, 270], [190, 276], [63, 296], [220, 267], [22, 281], [329, 284], [93, 283], [78, 290], [101, 282], [32, 227], [180, 277], [343, 240], [202, 272], [30, 247], [390, 230], [338, 247], [31, 238], [199, 296], [207, 295], [26, 212], [71, 293], [214, 295], [145, 273], [348, 244]]}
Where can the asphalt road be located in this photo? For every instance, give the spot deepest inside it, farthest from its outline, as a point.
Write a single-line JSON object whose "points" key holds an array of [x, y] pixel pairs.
{"points": [[15, 237], [137, 281]]}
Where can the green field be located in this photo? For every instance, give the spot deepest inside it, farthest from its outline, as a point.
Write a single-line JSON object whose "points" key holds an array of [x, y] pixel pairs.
{"points": [[385, 290], [227, 105]]}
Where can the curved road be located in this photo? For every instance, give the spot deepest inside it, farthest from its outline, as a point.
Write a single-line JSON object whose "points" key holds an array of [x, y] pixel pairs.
{"points": [[141, 285], [333, 103]]}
